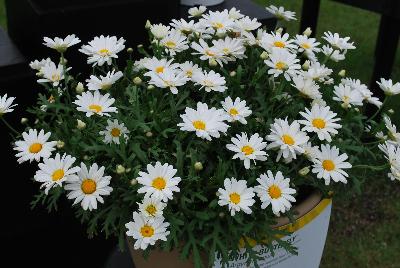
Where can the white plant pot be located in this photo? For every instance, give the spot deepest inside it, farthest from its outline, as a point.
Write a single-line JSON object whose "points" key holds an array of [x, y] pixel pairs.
{"points": [[201, 2]]}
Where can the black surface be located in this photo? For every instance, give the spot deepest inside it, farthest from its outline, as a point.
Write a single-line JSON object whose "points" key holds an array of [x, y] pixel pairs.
{"points": [[120, 259]]}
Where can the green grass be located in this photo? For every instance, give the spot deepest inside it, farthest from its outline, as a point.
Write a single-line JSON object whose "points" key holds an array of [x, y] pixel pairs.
{"points": [[3, 19]]}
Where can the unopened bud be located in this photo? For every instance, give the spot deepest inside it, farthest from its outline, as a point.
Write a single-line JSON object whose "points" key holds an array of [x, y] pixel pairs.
{"points": [[85, 157], [60, 144], [24, 120], [133, 182], [391, 111], [149, 134], [306, 65], [264, 55], [129, 50], [150, 87], [221, 215], [128, 170], [307, 32], [137, 81], [147, 25], [139, 46], [120, 169], [198, 166], [79, 88], [80, 124], [304, 171], [342, 73], [232, 74], [212, 62], [357, 110], [279, 30]]}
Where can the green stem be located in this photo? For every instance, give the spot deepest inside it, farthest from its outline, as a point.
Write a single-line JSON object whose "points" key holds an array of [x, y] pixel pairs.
{"points": [[9, 126], [379, 110], [376, 168]]}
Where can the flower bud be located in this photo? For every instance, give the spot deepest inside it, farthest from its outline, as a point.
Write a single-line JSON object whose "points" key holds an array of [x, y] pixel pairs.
{"points": [[198, 166], [120, 169], [232, 74], [357, 110], [304, 171], [133, 182], [264, 55], [150, 87], [128, 170], [129, 50], [342, 73], [212, 62], [221, 215], [391, 111], [306, 65], [307, 32], [137, 81], [36, 121], [85, 157], [149, 134], [147, 25], [24, 120], [79, 88], [140, 46], [279, 30], [80, 124], [60, 144]]}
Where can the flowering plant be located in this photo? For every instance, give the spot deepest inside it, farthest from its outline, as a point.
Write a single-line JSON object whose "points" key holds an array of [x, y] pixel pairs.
{"points": [[207, 138]]}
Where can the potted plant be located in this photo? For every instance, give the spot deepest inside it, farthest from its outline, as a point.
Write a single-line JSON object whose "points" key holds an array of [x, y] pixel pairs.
{"points": [[215, 145]]}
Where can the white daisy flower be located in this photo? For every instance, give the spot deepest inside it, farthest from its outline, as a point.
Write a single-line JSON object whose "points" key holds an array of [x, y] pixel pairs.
{"points": [[156, 66], [207, 123], [174, 42], [320, 120], [38, 65], [246, 24], [190, 69], [52, 74], [388, 87], [287, 138], [307, 45], [254, 40], [104, 82], [159, 31], [310, 151], [34, 146], [338, 42], [275, 190], [169, 79], [237, 110], [366, 94], [231, 48], [236, 195], [184, 27], [392, 130], [6, 104], [219, 21], [306, 87], [272, 41], [159, 181], [392, 154], [235, 14], [281, 14], [318, 72], [152, 207], [139, 65], [95, 103], [59, 44], [333, 54], [146, 231], [329, 164], [89, 186], [210, 81], [103, 49], [196, 11], [54, 171], [283, 62], [248, 149], [114, 131], [208, 53], [349, 97]]}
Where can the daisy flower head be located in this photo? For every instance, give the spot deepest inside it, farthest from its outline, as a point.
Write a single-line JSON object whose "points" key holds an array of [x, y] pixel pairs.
{"points": [[347, 96], [333, 54], [159, 31], [231, 48], [254, 40], [306, 87], [248, 149], [34, 146], [281, 14], [337, 42], [103, 49], [366, 94], [159, 181], [152, 207], [208, 53], [310, 151], [52, 74], [146, 231], [318, 72], [219, 21], [236, 195], [39, 64], [169, 79], [237, 110], [287, 138], [392, 154], [274, 190], [184, 27], [104, 82], [283, 62], [114, 132], [330, 164], [156, 66], [196, 11], [210, 81], [392, 130], [207, 123], [320, 120], [95, 103], [235, 14], [89, 186], [388, 87], [271, 41], [6, 104], [307, 44], [174, 42], [246, 24], [190, 69], [54, 171], [59, 44]]}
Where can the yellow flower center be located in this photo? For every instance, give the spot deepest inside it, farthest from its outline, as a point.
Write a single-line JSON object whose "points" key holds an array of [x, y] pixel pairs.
{"points": [[226, 51], [247, 150], [151, 209], [279, 44], [104, 52], [147, 231], [88, 186], [55, 77], [115, 132], [233, 112], [189, 73], [346, 99], [274, 191], [95, 108], [280, 65], [210, 53], [160, 69], [319, 123], [234, 198], [218, 25], [199, 124], [287, 139], [105, 86], [159, 183], [35, 148], [170, 44], [328, 165], [305, 46], [57, 175]]}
